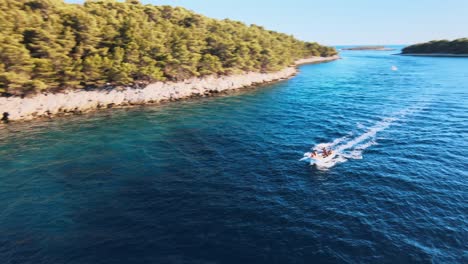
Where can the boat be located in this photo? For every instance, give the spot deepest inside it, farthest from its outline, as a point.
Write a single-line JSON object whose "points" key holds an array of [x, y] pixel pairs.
{"points": [[319, 157]]}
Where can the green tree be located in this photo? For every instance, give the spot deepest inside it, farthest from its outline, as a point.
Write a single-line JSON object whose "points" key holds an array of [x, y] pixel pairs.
{"points": [[49, 44]]}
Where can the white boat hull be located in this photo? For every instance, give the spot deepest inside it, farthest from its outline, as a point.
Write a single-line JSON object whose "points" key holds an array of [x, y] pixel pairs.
{"points": [[318, 159]]}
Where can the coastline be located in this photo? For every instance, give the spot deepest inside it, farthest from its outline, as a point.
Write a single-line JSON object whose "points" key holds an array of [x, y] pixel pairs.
{"points": [[434, 55], [370, 49], [80, 101]]}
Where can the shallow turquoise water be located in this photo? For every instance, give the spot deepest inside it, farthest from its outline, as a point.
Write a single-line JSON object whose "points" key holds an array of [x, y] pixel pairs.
{"points": [[217, 180]]}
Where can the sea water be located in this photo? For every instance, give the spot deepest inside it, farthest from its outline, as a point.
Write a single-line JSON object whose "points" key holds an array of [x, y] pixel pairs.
{"points": [[218, 180]]}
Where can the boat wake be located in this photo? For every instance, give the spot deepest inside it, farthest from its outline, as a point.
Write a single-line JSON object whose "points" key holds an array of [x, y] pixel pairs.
{"points": [[352, 146]]}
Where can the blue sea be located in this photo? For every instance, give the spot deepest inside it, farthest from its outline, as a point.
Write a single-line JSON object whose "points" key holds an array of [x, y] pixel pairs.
{"points": [[218, 179]]}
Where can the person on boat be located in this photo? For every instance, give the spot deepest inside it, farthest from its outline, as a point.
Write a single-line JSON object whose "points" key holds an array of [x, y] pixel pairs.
{"points": [[5, 118], [325, 152], [314, 154]]}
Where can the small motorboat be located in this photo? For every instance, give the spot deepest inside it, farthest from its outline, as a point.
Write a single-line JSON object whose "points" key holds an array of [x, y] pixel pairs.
{"points": [[319, 158]]}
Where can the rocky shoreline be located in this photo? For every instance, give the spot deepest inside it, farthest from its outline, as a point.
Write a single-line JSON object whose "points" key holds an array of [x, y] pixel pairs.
{"points": [[79, 101], [433, 55]]}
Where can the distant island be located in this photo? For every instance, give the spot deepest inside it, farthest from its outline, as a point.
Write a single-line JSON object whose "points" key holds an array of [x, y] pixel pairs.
{"points": [[439, 48], [378, 48]]}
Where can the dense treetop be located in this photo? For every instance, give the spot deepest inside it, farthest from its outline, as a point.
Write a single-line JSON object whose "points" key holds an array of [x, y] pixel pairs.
{"points": [[48, 44], [458, 46]]}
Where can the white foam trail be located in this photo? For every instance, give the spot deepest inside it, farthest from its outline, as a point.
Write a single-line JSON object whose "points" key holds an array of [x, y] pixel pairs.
{"points": [[352, 148], [331, 144], [370, 133], [360, 126], [356, 153]]}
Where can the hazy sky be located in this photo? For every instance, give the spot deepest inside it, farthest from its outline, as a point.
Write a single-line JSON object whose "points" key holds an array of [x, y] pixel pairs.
{"points": [[335, 22]]}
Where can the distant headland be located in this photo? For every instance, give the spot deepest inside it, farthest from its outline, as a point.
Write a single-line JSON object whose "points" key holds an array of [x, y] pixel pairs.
{"points": [[378, 48], [438, 48]]}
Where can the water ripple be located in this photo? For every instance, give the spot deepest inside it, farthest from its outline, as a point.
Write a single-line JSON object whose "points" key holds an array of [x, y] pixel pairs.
{"points": [[216, 180]]}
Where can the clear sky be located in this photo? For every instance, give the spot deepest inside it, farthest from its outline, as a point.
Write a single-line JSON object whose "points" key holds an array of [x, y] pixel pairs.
{"points": [[341, 22]]}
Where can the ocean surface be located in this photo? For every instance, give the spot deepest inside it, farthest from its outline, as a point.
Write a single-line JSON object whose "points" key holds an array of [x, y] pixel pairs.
{"points": [[218, 180]]}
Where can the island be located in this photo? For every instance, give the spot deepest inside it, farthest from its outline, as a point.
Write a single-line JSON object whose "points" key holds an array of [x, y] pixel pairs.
{"points": [[439, 48], [377, 48], [59, 58]]}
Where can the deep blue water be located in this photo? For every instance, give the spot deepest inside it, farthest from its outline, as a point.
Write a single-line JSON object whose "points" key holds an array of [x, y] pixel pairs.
{"points": [[218, 180]]}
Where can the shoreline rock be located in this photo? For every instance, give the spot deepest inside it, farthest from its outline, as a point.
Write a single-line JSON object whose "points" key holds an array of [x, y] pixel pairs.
{"points": [[79, 101]]}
